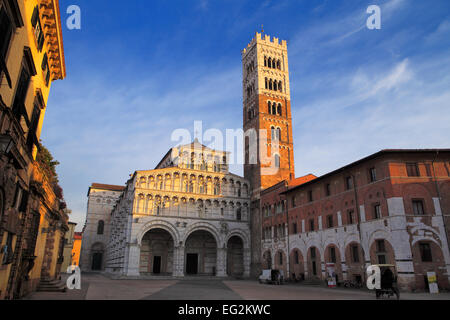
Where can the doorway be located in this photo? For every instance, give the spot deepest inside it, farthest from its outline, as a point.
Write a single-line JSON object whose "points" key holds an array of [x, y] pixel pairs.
{"points": [[192, 263], [97, 258], [157, 264]]}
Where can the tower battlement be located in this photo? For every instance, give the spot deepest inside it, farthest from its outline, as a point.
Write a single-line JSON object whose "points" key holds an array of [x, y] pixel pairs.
{"points": [[268, 40]]}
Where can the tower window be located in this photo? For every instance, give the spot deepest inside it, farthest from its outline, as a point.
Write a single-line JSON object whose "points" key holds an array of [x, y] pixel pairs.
{"points": [[279, 110], [277, 161], [269, 106], [280, 87]]}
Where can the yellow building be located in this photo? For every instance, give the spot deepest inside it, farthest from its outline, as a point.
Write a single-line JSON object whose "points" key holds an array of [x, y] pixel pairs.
{"points": [[76, 251], [31, 57], [69, 240]]}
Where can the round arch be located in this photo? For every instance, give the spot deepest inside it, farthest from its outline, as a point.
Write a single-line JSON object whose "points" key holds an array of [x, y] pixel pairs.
{"points": [[159, 224]]}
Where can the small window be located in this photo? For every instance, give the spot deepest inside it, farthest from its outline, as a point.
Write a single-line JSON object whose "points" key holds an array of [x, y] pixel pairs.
{"points": [[293, 202], [349, 183], [333, 254], [313, 253], [100, 227], [355, 253], [425, 252], [221, 211], [327, 189], [8, 251], [330, 221], [381, 246], [377, 211], [412, 169], [310, 196], [373, 174], [311, 225], [428, 169], [294, 228], [351, 218], [238, 214], [418, 208]]}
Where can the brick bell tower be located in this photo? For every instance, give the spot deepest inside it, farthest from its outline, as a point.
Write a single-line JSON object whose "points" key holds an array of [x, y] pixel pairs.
{"points": [[267, 111]]}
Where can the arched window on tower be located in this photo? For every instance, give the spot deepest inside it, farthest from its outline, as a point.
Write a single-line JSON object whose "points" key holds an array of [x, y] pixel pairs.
{"points": [[277, 161], [100, 227], [267, 84], [270, 62], [280, 86], [274, 108], [278, 65], [278, 134], [269, 107], [272, 131], [279, 110], [275, 85], [265, 61], [270, 84], [274, 64]]}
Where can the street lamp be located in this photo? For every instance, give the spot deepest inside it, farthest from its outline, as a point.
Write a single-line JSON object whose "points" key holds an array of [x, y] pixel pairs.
{"points": [[6, 143]]}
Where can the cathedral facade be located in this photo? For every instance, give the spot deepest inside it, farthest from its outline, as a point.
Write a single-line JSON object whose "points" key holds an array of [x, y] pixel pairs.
{"points": [[188, 216]]}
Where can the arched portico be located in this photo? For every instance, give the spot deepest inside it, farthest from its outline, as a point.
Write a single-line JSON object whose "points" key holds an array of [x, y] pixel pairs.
{"points": [[156, 253], [200, 253]]}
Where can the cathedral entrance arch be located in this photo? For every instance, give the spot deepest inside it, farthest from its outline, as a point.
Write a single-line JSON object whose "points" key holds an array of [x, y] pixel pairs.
{"points": [[157, 250], [201, 253]]}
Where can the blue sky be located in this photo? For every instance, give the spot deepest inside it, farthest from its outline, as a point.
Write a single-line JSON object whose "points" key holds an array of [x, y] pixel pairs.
{"points": [[137, 70]]}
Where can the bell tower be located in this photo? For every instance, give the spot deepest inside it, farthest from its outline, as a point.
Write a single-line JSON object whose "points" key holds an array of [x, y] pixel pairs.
{"points": [[267, 110], [269, 152]]}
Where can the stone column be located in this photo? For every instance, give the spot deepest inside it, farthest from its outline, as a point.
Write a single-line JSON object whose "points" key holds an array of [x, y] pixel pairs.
{"points": [[247, 261], [134, 251], [178, 263], [221, 262]]}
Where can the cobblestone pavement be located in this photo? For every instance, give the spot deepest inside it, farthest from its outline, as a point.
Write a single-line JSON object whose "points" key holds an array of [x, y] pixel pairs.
{"points": [[99, 287]]}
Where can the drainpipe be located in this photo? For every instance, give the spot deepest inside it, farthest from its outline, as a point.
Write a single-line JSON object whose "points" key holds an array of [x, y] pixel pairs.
{"points": [[288, 256], [359, 225]]}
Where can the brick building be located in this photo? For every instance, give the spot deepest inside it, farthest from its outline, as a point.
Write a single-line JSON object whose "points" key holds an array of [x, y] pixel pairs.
{"points": [[391, 207]]}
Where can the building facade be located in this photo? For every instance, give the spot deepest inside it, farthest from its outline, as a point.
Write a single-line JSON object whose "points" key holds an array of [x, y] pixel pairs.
{"points": [[31, 57], [69, 240], [76, 250], [388, 208], [96, 231], [269, 151], [188, 216]]}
